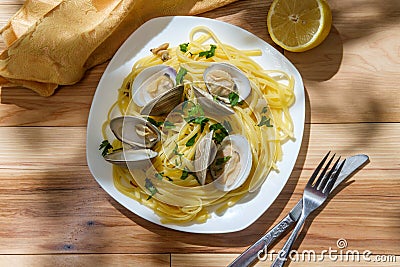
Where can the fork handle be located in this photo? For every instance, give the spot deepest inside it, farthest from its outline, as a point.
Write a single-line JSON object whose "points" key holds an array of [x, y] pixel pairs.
{"points": [[283, 254], [260, 247]]}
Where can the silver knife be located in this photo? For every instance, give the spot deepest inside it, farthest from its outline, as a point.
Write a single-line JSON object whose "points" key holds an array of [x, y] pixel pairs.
{"points": [[259, 248]]}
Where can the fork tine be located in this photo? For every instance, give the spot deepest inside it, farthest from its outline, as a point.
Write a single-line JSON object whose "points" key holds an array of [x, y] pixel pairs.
{"points": [[322, 176], [334, 177], [315, 173], [325, 179]]}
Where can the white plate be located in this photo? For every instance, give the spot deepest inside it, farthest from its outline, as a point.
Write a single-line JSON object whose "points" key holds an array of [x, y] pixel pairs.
{"points": [[175, 30]]}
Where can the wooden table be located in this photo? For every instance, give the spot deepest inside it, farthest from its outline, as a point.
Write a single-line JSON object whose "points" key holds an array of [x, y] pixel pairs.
{"points": [[53, 212]]}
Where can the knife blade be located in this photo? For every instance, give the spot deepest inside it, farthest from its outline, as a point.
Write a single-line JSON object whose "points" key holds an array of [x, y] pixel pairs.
{"points": [[259, 248]]}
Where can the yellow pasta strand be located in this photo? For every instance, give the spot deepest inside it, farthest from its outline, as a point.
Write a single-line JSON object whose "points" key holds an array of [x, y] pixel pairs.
{"points": [[270, 100]]}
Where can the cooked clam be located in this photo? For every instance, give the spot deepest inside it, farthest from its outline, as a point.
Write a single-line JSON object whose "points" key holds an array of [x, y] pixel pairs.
{"points": [[210, 105], [222, 79], [135, 131], [152, 82], [232, 163], [164, 103], [204, 156], [131, 158]]}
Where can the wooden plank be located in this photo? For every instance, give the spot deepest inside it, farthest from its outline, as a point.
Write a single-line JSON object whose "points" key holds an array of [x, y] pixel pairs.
{"points": [[32, 147], [345, 63], [247, 15], [62, 218], [374, 139], [89, 260], [206, 260], [216, 260], [12, 2], [51, 203], [36, 146], [356, 65], [7, 9], [70, 107]]}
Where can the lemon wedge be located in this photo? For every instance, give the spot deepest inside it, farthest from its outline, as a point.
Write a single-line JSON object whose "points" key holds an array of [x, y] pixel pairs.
{"points": [[299, 25]]}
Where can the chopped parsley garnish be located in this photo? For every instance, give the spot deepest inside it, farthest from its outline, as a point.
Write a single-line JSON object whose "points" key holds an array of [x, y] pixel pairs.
{"points": [[199, 120], [149, 186], [223, 160], [265, 121], [218, 137], [177, 163], [154, 122], [264, 110], [179, 76], [195, 114], [208, 53], [184, 175], [184, 47], [105, 145], [176, 152], [234, 99], [191, 140], [169, 125], [159, 175], [219, 132], [218, 126], [195, 110]]}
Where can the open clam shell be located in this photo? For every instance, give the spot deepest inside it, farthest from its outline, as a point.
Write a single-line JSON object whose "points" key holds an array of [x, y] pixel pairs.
{"points": [[135, 131], [232, 163], [164, 103], [205, 155], [211, 106], [222, 78], [131, 158], [152, 82]]}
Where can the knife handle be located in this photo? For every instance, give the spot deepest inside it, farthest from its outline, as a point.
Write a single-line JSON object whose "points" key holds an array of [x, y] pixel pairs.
{"points": [[258, 249]]}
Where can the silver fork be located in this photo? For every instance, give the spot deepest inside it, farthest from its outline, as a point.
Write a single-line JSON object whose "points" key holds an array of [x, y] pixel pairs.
{"points": [[314, 195]]}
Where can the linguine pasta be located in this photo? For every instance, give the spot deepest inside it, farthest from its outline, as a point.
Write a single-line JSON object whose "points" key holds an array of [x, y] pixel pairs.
{"points": [[169, 187]]}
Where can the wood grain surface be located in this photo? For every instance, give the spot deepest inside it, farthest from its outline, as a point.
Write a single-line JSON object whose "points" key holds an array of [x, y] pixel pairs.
{"points": [[53, 212]]}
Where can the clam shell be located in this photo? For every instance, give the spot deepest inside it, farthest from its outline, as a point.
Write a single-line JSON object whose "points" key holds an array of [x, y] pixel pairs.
{"points": [[128, 129], [205, 155], [139, 87], [211, 106], [164, 103], [239, 78], [241, 146], [131, 158]]}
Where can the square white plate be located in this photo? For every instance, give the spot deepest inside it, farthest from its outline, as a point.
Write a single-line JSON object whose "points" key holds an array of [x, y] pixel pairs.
{"points": [[175, 30]]}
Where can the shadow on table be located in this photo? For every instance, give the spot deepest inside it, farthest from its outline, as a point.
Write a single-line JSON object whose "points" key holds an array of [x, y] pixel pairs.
{"points": [[322, 62]]}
